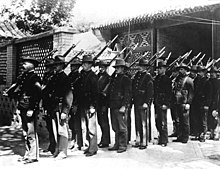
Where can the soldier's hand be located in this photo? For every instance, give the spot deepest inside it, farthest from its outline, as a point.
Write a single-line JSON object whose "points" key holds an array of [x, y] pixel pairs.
{"points": [[214, 113], [30, 113], [206, 107], [122, 109], [145, 106], [187, 106], [63, 116], [92, 109], [164, 107]]}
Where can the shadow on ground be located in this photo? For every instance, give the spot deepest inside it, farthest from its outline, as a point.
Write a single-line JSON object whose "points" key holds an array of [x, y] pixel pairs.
{"points": [[11, 141]]}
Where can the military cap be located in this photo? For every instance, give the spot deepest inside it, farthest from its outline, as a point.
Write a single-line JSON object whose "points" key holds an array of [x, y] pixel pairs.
{"points": [[30, 59], [193, 68], [76, 61], [103, 63], [59, 59], [200, 68], [213, 70], [49, 62], [143, 62], [87, 58], [162, 64], [120, 62], [182, 65]]}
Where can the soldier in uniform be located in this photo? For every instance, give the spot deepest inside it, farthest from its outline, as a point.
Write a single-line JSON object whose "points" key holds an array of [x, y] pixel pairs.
{"points": [[88, 103], [75, 115], [59, 89], [46, 102], [162, 100], [102, 105], [183, 90], [202, 101], [119, 96], [192, 114], [215, 85], [142, 91], [173, 106], [29, 86]]}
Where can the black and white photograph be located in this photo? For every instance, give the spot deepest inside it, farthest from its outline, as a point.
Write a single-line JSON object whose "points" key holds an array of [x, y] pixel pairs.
{"points": [[110, 84]]}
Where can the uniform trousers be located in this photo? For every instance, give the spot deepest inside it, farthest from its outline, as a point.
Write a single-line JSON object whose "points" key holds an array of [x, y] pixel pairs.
{"points": [[52, 144], [119, 126], [89, 129], [31, 138], [141, 125], [161, 124], [76, 128], [183, 122], [103, 121], [60, 131]]}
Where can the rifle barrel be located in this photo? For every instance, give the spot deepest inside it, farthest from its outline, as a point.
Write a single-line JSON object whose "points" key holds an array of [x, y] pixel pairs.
{"points": [[103, 49]]}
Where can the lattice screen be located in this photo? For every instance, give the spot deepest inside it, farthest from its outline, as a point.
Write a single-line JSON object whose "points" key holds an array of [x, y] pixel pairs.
{"points": [[143, 38], [36, 48], [3, 64]]}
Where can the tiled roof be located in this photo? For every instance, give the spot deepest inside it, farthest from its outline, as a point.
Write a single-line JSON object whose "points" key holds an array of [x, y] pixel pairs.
{"points": [[161, 14], [10, 30]]}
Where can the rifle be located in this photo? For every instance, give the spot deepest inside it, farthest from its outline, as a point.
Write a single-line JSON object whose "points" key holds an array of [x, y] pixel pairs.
{"points": [[138, 59], [194, 58], [166, 60], [131, 51], [49, 54], [187, 55], [175, 61], [103, 49], [66, 64], [156, 54], [117, 56], [71, 47], [213, 62], [157, 57], [200, 60]]}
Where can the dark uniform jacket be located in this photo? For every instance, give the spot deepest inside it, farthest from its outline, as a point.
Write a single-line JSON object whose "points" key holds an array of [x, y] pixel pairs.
{"points": [[162, 90], [45, 92], [103, 80], [142, 88], [59, 88], [215, 87], [183, 89], [74, 77], [89, 89], [202, 91], [30, 93], [119, 91]]}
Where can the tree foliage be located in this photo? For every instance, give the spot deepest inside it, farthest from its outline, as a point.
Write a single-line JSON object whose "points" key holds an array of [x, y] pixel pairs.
{"points": [[41, 16]]}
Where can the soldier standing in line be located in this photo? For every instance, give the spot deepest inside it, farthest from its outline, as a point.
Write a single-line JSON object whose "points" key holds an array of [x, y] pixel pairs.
{"points": [[102, 105], [202, 100], [127, 73], [119, 94], [88, 103], [60, 90], [173, 106], [29, 94], [183, 90], [75, 115], [142, 91], [192, 115], [215, 85], [46, 102], [162, 100]]}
